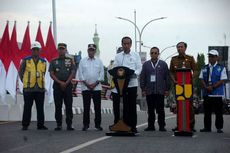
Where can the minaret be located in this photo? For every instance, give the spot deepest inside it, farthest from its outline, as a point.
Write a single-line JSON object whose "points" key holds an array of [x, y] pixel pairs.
{"points": [[96, 41]]}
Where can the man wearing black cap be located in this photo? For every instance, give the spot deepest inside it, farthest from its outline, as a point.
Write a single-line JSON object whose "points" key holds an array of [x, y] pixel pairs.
{"points": [[212, 78], [62, 71], [91, 73]]}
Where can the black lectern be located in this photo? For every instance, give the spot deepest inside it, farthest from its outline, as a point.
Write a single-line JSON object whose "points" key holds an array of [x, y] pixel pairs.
{"points": [[121, 76]]}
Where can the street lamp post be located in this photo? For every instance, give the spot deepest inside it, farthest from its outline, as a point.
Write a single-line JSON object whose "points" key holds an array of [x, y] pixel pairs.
{"points": [[140, 32], [162, 49], [170, 56], [146, 46], [167, 48]]}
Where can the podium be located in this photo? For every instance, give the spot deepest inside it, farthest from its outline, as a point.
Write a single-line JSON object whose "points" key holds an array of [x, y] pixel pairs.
{"points": [[121, 76], [184, 96]]}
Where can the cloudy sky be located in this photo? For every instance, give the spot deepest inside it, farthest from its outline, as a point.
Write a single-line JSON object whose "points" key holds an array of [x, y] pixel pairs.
{"points": [[200, 23]]}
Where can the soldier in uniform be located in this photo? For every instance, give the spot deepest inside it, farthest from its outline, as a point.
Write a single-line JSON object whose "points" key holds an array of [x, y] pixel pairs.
{"points": [[32, 72], [62, 71], [186, 61]]}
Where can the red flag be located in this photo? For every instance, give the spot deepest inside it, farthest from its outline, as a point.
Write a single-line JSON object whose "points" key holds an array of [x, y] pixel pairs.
{"points": [[11, 78], [4, 61], [50, 46], [39, 38], [5, 49], [26, 43], [14, 48]]}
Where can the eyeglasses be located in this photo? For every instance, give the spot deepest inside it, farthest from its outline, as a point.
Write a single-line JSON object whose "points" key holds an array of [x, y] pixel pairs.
{"points": [[211, 56], [154, 53], [61, 48]]}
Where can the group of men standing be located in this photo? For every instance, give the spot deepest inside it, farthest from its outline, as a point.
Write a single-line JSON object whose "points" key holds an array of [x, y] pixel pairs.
{"points": [[155, 81], [62, 70]]}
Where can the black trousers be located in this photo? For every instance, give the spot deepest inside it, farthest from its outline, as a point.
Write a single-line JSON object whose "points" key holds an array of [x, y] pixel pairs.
{"points": [[29, 97], [213, 104], [129, 107], [59, 97], [155, 102], [116, 107], [96, 96]]}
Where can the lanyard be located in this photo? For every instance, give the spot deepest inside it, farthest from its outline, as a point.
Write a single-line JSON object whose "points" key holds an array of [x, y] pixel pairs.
{"points": [[210, 73], [154, 67]]}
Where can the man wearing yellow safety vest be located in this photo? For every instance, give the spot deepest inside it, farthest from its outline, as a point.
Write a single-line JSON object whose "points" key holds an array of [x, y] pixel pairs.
{"points": [[32, 73]]}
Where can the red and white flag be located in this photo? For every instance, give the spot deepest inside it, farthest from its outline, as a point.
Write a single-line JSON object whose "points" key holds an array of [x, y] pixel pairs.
{"points": [[4, 61], [39, 38], [51, 52], [50, 46], [25, 51], [12, 74]]}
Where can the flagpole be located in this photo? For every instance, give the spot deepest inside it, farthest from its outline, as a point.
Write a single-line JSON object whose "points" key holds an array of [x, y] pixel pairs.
{"points": [[54, 21], [16, 99]]}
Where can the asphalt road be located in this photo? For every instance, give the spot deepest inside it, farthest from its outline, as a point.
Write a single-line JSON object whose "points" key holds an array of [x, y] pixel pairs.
{"points": [[13, 140]]}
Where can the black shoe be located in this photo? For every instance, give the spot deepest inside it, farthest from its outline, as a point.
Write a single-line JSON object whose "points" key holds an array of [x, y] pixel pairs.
{"points": [[175, 129], [149, 129], [162, 129], [205, 130], [193, 130], [134, 130], [220, 131], [98, 128], [42, 128], [24, 128], [58, 128], [69, 128], [85, 128], [110, 127]]}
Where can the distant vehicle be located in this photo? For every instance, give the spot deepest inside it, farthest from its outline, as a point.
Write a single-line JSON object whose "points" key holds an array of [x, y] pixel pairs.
{"points": [[197, 106], [226, 106]]}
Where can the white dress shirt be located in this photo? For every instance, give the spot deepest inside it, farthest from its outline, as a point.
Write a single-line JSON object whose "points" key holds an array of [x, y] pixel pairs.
{"points": [[131, 60], [91, 70]]}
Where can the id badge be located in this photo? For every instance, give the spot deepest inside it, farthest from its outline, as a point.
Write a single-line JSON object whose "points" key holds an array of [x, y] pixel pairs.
{"points": [[37, 74], [153, 78]]}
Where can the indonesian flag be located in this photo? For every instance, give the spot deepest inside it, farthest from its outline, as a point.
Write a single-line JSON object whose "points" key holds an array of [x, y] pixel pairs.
{"points": [[50, 46], [39, 38], [51, 52], [4, 61], [25, 51], [12, 74]]}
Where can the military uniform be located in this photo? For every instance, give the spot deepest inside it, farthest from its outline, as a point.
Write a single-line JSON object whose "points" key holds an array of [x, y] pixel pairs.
{"points": [[186, 61], [182, 60], [62, 69]]}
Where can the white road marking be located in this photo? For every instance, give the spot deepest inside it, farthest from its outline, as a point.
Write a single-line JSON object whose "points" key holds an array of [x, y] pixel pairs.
{"points": [[83, 145], [86, 144]]}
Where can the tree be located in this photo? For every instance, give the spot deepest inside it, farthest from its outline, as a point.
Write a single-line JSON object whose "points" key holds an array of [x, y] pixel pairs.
{"points": [[105, 82], [200, 63]]}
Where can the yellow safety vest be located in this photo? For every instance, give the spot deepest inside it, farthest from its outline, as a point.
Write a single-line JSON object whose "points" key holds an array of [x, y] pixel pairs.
{"points": [[110, 78], [34, 73]]}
